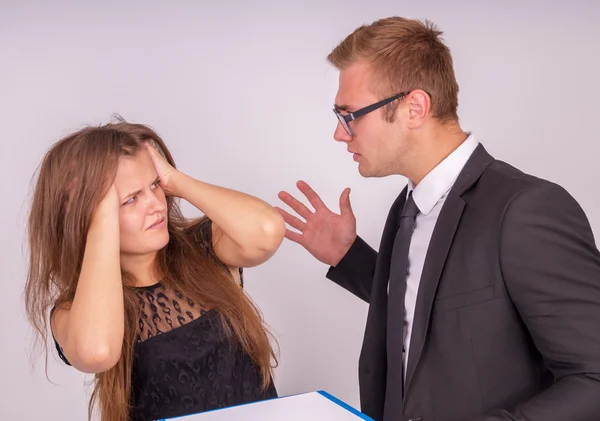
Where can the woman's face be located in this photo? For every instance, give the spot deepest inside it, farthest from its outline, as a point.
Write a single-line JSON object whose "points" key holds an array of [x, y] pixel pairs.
{"points": [[143, 206]]}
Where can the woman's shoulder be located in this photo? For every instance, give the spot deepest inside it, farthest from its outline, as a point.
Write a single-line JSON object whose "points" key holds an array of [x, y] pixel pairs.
{"points": [[200, 230], [201, 233]]}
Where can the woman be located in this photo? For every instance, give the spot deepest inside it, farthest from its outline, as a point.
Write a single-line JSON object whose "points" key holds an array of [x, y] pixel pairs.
{"points": [[150, 302]]}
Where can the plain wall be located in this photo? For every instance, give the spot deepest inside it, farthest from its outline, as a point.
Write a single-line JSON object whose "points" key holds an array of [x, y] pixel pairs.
{"points": [[242, 94]]}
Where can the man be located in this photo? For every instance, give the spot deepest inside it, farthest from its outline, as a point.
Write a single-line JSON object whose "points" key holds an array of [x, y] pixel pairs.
{"points": [[484, 297]]}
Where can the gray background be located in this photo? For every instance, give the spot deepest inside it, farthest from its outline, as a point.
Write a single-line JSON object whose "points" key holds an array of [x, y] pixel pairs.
{"points": [[242, 94]]}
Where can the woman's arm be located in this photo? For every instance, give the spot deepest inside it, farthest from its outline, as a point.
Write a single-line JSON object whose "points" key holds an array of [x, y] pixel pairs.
{"points": [[90, 330], [246, 230]]}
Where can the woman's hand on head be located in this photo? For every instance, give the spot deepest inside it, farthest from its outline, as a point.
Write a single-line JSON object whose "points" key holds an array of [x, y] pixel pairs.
{"points": [[108, 208], [165, 171]]}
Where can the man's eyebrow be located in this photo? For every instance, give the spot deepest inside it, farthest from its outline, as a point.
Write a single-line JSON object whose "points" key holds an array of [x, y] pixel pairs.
{"points": [[342, 107]]}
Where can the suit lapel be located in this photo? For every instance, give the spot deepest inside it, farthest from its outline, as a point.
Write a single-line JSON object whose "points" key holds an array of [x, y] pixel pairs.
{"points": [[373, 357], [441, 240], [439, 247], [382, 270]]}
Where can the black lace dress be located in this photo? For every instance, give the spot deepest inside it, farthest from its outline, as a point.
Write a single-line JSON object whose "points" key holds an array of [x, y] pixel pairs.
{"points": [[183, 363]]}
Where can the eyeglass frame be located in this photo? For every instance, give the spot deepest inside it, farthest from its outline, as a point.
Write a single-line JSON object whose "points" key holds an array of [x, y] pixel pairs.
{"points": [[345, 119]]}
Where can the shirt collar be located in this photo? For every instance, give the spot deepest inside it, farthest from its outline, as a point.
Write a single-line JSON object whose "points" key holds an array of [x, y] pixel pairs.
{"points": [[439, 181]]}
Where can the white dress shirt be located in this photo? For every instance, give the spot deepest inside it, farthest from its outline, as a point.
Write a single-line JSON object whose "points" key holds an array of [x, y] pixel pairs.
{"points": [[429, 196]]}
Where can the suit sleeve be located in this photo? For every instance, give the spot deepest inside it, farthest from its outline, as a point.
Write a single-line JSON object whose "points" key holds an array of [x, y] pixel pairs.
{"points": [[356, 269], [551, 267]]}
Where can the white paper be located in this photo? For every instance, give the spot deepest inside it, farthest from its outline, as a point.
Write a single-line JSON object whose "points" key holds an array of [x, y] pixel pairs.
{"points": [[311, 406]]}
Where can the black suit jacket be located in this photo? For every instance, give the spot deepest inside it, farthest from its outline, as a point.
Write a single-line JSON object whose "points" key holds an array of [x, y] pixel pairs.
{"points": [[507, 319]]}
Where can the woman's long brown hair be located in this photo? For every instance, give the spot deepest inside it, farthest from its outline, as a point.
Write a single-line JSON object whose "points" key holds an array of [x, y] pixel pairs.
{"points": [[74, 176]]}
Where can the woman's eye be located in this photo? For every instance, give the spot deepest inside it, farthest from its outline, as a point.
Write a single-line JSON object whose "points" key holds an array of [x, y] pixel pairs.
{"points": [[131, 200], [156, 183]]}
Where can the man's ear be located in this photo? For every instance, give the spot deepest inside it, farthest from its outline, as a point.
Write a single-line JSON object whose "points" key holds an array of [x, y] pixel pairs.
{"points": [[419, 107]]}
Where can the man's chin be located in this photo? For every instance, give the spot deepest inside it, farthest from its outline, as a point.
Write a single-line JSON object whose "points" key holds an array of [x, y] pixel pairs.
{"points": [[367, 172], [363, 170]]}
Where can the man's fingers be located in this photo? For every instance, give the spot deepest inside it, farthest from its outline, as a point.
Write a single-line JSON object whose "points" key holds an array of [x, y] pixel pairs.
{"points": [[295, 204], [345, 206], [291, 219], [294, 236], [311, 195]]}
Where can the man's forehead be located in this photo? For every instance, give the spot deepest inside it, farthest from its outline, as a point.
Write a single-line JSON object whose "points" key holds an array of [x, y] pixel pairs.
{"points": [[353, 85], [356, 72]]}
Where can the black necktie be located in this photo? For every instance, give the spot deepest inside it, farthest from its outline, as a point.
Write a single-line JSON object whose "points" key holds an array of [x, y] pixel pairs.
{"points": [[395, 322]]}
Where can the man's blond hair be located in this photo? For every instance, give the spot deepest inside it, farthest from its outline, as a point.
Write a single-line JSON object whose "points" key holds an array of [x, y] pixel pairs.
{"points": [[403, 55]]}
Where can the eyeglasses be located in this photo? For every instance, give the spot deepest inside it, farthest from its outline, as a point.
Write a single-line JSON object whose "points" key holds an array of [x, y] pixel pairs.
{"points": [[345, 119]]}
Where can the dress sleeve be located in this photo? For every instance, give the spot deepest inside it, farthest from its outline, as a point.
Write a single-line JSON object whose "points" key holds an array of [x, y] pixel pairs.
{"points": [[202, 232], [56, 344]]}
